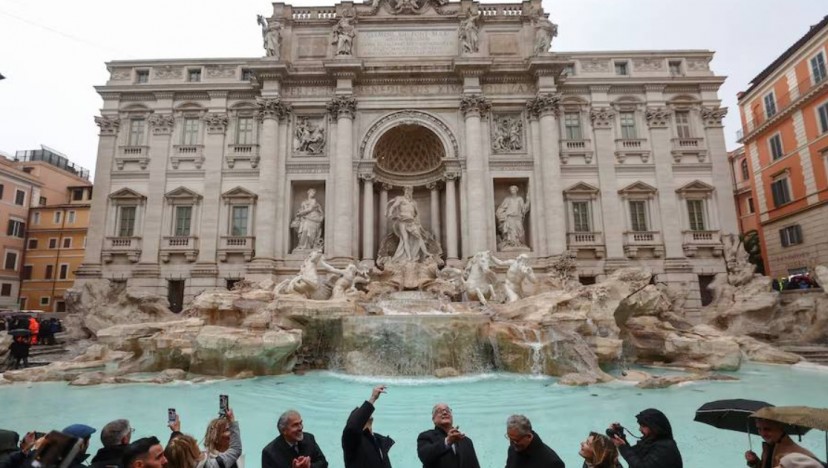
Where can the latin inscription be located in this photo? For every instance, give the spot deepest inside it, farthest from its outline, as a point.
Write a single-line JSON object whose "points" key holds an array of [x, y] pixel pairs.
{"points": [[420, 43]]}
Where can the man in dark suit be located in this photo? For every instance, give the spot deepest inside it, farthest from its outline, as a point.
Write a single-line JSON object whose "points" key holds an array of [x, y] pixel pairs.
{"points": [[526, 449], [361, 446], [294, 448], [445, 446]]}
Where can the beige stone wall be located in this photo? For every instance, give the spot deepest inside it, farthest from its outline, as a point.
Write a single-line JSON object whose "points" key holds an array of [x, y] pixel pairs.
{"points": [[811, 252]]}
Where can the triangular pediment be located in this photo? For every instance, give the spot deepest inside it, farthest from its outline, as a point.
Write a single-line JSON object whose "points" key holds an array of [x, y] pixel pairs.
{"points": [[126, 194], [239, 193], [638, 188], [583, 188], [182, 193], [696, 186]]}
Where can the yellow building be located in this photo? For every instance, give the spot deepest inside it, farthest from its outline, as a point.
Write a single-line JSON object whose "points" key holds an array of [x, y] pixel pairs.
{"points": [[55, 244]]}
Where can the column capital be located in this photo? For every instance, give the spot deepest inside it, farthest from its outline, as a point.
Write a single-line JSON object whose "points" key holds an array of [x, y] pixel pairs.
{"points": [[367, 177], [216, 122], [451, 176], [272, 108], [386, 187], [161, 124], [474, 104], [108, 124], [342, 106], [713, 116], [602, 117], [658, 117], [432, 186], [543, 104]]}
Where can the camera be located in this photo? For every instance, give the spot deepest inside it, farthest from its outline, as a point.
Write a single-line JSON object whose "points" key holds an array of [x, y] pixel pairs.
{"points": [[617, 430]]}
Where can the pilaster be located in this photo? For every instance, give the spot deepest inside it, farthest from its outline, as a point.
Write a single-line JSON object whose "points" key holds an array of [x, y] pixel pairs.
{"points": [[612, 213], [343, 108], [714, 136], [671, 223], [473, 107], [214, 144], [545, 107]]}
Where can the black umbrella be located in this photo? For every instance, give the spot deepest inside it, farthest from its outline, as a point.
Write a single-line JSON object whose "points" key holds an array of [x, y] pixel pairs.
{"points": [[733, 415]]}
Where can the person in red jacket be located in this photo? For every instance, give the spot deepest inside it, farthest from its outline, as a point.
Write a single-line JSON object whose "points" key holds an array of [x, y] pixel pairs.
{"points": [[34, 328]]}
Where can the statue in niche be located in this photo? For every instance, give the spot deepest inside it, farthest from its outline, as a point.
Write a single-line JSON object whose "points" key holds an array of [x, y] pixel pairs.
{"points": [[518, 272], [271, 36], [407, 242], [508, 134], [545, 30], [510, 216], [469, 32], [310, 137], [308, 224], [343, 36]]}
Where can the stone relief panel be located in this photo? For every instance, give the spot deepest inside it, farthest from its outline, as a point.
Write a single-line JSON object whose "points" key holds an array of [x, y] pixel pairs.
{"points": [[309, 136], [167, 72], [120, 74], [220, 71], [595, 66], [698, 64], [503, 44], [512, 214], [648, 64], [311, 47], [307, 222], [410, 43], [508, 135]]}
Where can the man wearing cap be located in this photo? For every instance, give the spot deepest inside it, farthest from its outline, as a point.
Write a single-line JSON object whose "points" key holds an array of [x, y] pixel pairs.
{"points": [[115, 438], [83, 432], [145, 453], [361, 446]]}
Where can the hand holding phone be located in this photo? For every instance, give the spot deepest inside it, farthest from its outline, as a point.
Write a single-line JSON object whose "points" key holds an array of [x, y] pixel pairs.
{"points": [[224, 405], [172, 420]]}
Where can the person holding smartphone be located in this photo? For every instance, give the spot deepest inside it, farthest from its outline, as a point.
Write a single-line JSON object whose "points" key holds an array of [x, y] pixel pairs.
{"points": [[183, 452], [445, 446], [361, 446]]}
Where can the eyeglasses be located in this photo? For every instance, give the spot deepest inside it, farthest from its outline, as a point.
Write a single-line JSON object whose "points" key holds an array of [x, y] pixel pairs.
{"points": [[442, 411], [515, 441]]}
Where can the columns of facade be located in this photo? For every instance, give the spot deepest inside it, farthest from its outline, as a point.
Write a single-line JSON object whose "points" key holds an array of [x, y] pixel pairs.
{"points": [[473, 107], [612, 210], [658, 119], [451, 217], [435, 209], [537, 195], [545, 106], [208, 234], [383, 202], [161, 127], [109, 125], [717, 153], [367, 216], [343, 109], [271, 110]]}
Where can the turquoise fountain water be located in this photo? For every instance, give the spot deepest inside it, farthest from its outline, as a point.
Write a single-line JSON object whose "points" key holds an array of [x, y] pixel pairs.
{"points": [[561, 415]]}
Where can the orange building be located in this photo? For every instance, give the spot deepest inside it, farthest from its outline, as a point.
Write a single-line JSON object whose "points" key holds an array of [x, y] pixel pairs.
{"points": [[785, 126], [17, 189], [55, 243]]}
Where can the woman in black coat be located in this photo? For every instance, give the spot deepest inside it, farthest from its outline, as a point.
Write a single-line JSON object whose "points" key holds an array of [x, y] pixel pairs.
{"points": [[656, 449]]}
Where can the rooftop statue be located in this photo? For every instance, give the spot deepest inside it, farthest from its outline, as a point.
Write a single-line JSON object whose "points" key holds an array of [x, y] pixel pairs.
{"points": [[545, 31], [469, 32], [271, 36], [343, 36]]}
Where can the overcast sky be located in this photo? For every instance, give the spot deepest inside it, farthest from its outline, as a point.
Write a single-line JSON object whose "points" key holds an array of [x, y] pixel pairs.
{"points": [[52, 52]]}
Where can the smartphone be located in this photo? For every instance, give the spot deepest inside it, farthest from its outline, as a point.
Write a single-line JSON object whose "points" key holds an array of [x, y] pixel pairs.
{"points": [[224, 405], [57, 451], [171, 416]]}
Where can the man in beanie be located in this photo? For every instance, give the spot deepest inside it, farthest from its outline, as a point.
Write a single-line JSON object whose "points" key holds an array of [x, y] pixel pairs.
{"points": [[83, 432], [775, 445], [656, 447]]}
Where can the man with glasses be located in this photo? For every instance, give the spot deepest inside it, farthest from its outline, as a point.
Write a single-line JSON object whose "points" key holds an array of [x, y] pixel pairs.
{"points": [[115, 437], [445, 446], [526, 449]]}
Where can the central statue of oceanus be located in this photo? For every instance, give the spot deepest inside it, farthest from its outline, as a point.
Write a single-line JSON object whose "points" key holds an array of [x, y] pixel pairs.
{"points": [[408, 241]]}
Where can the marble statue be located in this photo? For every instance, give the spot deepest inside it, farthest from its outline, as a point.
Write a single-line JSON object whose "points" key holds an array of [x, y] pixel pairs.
{"points": [[478, 278], [518, 272], [739, 269], [310, 137], [307, 282], [308, 224], [271, 36], [508, 134], [347, 281], [510, 216], [404, 219], [343, 36], [469, 32], [545, 30]]}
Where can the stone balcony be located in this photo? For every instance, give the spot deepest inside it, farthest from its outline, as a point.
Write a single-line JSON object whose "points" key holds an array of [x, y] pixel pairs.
{"points": [[130, 247], [237, 245], [132, 155], [179, 245], [635, 149], [637, 241], [586, 241], [237, 153], [187, 153], [693, 147], [693, 241], [578, 149]]}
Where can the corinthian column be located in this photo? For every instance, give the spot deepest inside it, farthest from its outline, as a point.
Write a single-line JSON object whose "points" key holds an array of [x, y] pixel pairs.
{"points": [[383, 202], [545, 108], [451, 217], [271, 111], [367, 216], [473, 107], [435, 209], [343, 109]]}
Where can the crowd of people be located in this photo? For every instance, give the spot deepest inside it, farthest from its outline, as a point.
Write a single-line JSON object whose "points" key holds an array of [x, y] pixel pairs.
{"points": [[26, 332], [444, 446]]}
